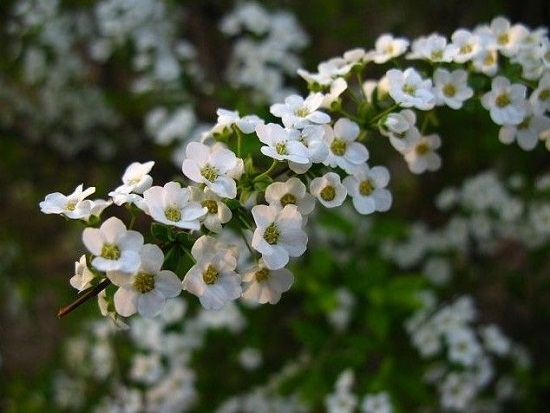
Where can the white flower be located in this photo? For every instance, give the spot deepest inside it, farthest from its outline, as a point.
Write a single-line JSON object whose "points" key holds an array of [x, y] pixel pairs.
{"points": [[540, 97], [422, 155], [83, 276], [226, 119], [507, 37], [278, 234], [298, 112], [528, 131], [468, 45], [408, 89], [328, 189], [73, 206], [505, 101], [293, 191], [263, 285], [217, 212], [433, 48], [282, 144], [213, 278], [457, 391], [115, 247], [135, 180], [328, 71], [317, 150], [464, 347], [167, 128], [494, 340], [401, 130], [214, 166], [376, 403], [451, 88], [367, 188], [146, 290], [486, 62], [344, 151], [171, 205], [387, 47]]}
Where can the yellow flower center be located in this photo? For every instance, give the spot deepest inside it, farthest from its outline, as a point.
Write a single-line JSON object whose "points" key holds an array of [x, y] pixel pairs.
{"points": [[437, 55], [449, 90], [281, 149], [503, 39], [338, 146], [465, 49], [262, 275], [272, 234], [301, 112], [366, 187], [209, 172], [71, 205], [172, 214], [110, 252], [328, 193], [211, 205], [210, 275], [288, 199], [422, 148], [408, 89], [489, 59], [144, 282], [544, 95], [502, 100]]}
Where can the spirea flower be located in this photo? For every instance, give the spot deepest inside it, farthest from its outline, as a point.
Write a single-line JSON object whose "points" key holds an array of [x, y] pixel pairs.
{"points": [[298, 112], [214, 166], [227, 118], [422, 155], [451, 88], [293, 192], [468, 45], [401, 130], [146, 290], [213, 278], [328, 189], [217, 213], [82, 277], [135, 180], [171, 205], [278, 234], [505, 101], [408, 89], [433, 48], [317, 150], [115, 247], [367, 188], [528, 132], [73, 206], [263, 285], [282, 144], [388, 47], [344, 151]]}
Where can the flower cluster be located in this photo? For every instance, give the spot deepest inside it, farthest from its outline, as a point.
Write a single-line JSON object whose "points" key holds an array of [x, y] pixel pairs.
{"points": [[317, 146]]}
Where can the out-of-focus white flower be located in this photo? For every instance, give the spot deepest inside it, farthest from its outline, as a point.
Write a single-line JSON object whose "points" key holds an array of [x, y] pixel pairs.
{"points": [[263, 285], [505, 101]]}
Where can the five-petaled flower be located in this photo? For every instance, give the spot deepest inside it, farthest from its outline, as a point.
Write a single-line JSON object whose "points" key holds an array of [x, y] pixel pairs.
{"points": [[145, 291], [215, 166], [278, 235], [114, 246]]}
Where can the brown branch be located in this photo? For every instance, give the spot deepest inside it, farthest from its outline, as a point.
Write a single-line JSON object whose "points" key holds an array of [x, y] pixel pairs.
{"points": [[83, 298]]}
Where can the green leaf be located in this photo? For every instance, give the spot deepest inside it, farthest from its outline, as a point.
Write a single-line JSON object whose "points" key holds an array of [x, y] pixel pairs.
{"points": [[161, 232]]}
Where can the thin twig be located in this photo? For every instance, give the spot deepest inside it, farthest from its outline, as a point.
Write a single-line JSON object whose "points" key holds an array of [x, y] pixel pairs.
{"points": [[83, 298]]}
